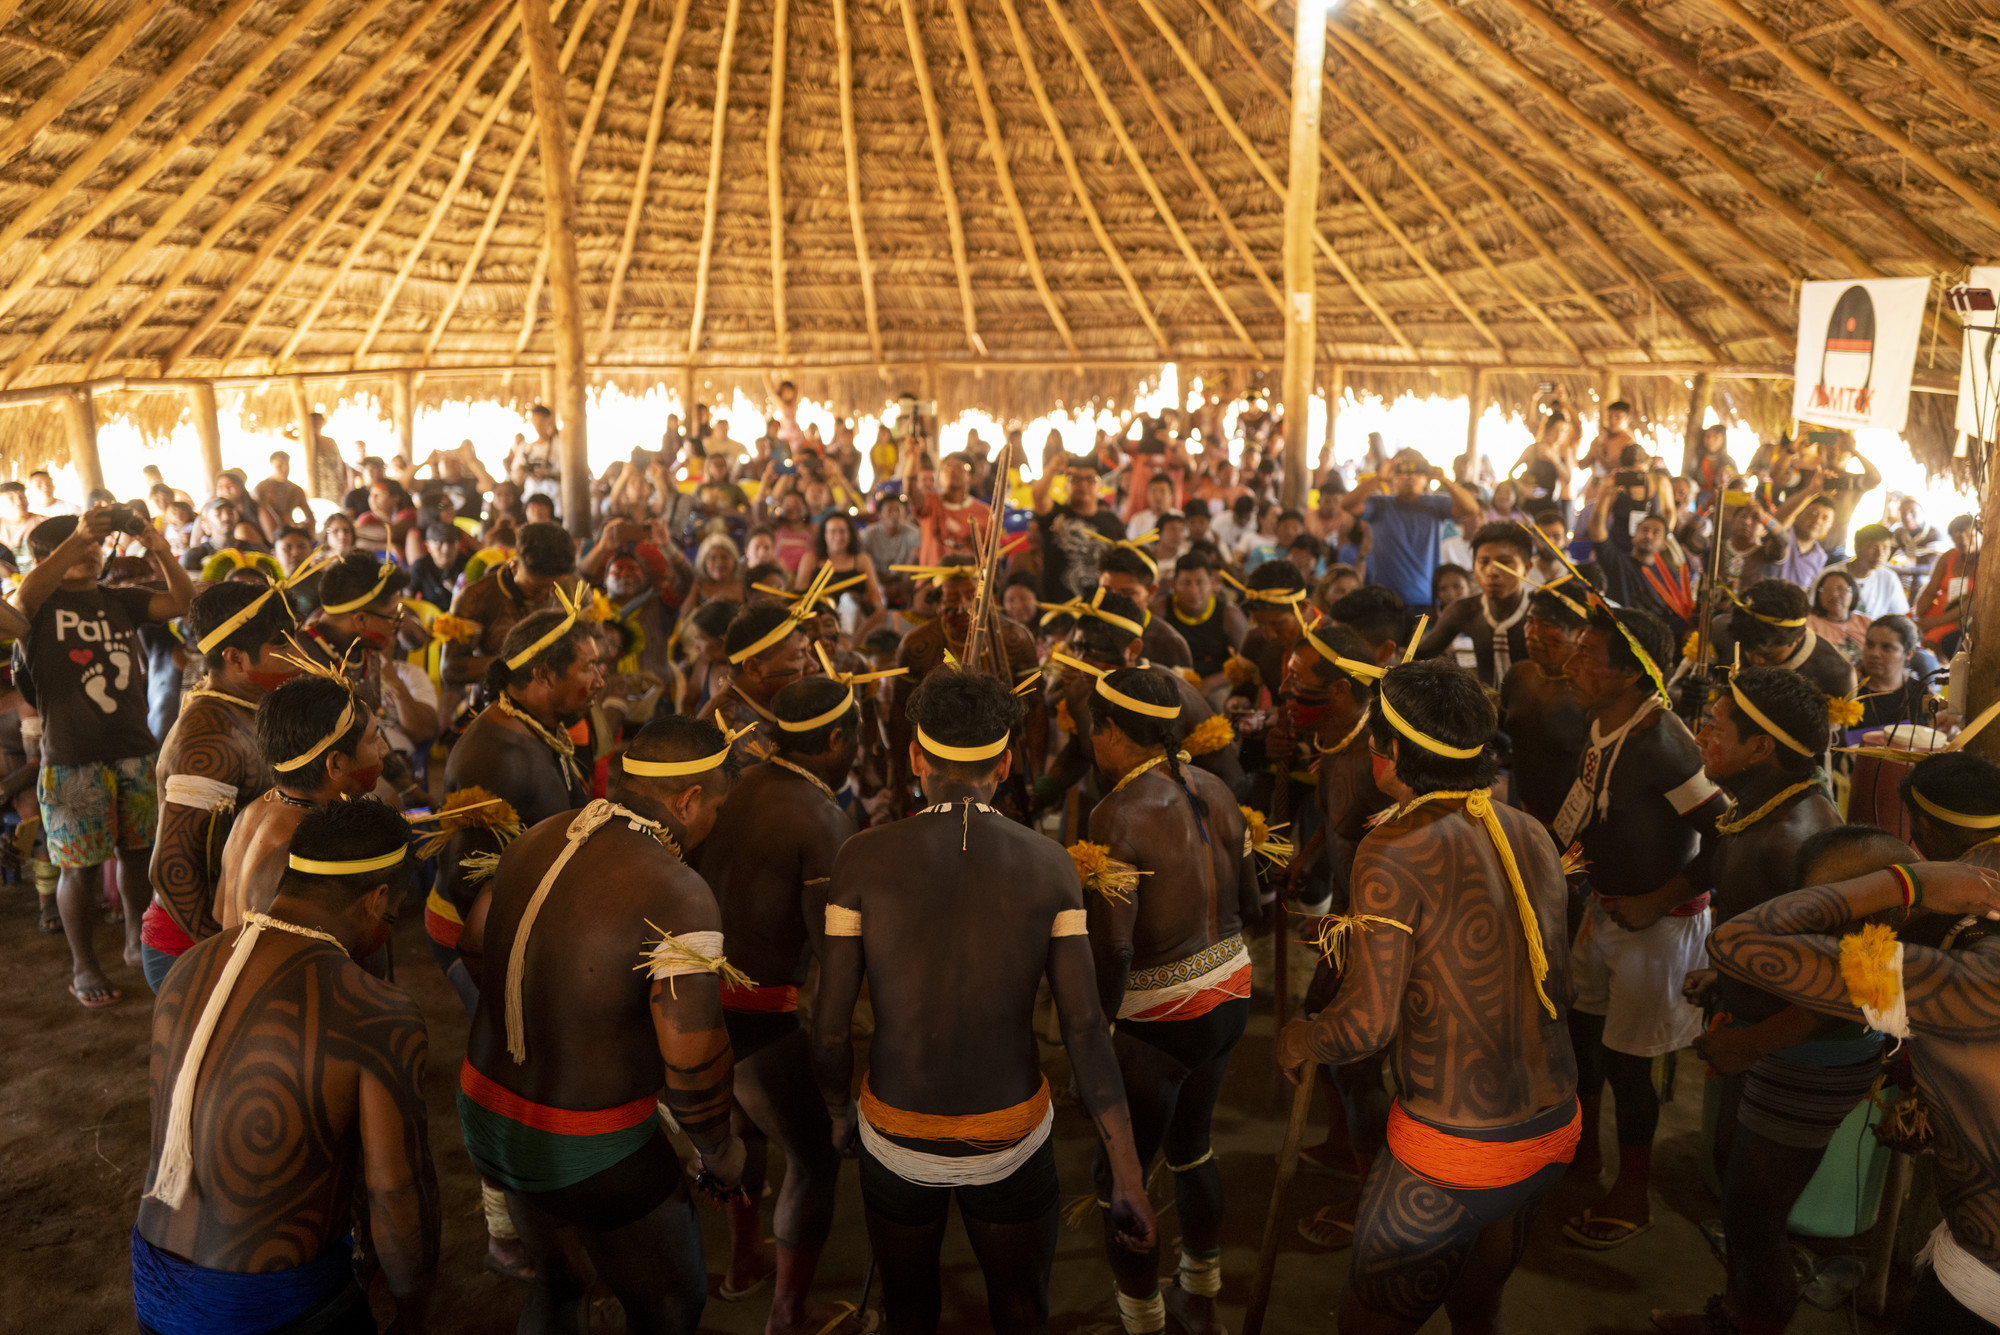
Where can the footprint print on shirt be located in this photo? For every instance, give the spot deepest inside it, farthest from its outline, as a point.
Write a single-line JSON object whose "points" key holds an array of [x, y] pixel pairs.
{"points": [[95, 673]]}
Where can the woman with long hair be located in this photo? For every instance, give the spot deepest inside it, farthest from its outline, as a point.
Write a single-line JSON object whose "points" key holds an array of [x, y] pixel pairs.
{"points": [[1833, 617], [718, 571], [836, 544]]}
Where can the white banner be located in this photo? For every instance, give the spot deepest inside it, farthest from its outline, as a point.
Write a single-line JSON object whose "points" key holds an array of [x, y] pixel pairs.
{"points": [[1857, 347], [1977, 389]]}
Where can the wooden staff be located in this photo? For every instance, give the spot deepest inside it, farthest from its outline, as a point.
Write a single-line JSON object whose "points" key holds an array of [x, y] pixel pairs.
{"points": [[989, 556], [1288, 1164], [1281, 971]]}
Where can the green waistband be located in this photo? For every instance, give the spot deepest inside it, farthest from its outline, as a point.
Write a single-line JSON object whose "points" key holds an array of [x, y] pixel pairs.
{"points": [[526, 1158]]}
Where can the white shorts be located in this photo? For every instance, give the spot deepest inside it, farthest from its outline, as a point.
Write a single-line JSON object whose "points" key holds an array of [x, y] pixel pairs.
{"points": [[1633, 979]]}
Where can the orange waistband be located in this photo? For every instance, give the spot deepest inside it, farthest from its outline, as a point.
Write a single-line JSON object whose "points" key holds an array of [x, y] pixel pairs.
{"points": [[1458, 1161], [758, 998], [563, 1121], [994, 1130]]}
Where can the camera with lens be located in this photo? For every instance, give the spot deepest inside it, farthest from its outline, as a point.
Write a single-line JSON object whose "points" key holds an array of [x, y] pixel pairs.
{"points": [[124, 521]]}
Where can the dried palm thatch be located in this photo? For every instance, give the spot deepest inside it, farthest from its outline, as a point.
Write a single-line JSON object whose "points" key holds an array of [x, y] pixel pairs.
{"points": [[1009, 203]]}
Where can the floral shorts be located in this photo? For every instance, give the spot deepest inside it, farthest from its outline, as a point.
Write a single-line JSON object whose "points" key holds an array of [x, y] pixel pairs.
{"points": [[90, 812]]}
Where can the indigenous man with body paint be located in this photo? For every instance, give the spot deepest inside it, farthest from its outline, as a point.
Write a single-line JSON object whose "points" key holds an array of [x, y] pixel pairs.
{"points": [[597, 951], [943, 640], [769, 860], [544, 555], [1790, 1076], [1173, 888], [1494, 618], [280, 1065], [1644, 815], [1453, 953], [1849, 950], [1545, 726], [954, 917], [319, 745], [1769, 624], [1273, 589], [357, 630], [768, 651], [210, 765], [1127, 569], [1211, 626]]}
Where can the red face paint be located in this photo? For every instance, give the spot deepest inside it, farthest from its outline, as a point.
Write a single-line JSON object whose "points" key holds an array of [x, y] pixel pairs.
{"points": [[362, 781], [270, 681], [1308, 715], [373, 639], [1381, 767]]}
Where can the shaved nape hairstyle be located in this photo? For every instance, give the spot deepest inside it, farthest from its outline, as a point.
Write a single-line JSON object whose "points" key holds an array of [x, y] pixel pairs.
{"points": [[1446, 703], [807, 698], [677, 737], [344, 832], [958, 708]]}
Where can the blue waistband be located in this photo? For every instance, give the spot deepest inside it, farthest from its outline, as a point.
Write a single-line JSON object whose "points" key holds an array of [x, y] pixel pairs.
{"points": [[177, 1297]]}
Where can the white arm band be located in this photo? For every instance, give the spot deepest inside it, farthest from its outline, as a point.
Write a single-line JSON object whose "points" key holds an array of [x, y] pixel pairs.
{"points": [[842, 922], [191, 790], [1070, 922]]}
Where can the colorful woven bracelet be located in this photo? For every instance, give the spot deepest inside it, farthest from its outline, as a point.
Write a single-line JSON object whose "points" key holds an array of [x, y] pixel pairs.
{"points": [[1913, 890]]}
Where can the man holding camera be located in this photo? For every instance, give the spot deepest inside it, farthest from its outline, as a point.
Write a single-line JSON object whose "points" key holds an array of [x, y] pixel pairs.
{"points": [[96, 787], [1408, 521]]}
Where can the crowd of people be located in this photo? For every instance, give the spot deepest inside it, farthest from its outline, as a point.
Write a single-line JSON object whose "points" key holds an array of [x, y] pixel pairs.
{"points": [[1561, 771]]}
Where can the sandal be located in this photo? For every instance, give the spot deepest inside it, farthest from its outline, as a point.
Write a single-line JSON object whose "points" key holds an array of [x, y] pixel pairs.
{"points": [[1578, 1231], [851, 1320], [106, 995], [50, 923], [1324, 1228], [729, 1295]]}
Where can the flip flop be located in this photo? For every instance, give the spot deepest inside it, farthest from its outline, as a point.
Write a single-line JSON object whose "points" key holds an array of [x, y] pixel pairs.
{"points": [[851, 1320], [1576, 1231], [523, 1269], [1323, 1229], [110, 998], [50, 926], [729, 1295]]}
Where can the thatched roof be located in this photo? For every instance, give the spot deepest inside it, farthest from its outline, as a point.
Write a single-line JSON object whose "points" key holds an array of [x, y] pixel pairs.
{"points": [[256, 187]]}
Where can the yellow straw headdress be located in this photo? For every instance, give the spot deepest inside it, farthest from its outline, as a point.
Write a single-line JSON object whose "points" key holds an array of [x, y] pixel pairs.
{"points": [[801, 611], [848, 679], [242, 618], [938, 574], [674, 769], [962, 754], [350, 714], [1352, 667], [351, 866], [1758, 716], [1597, 599], [1092, 607], [571, 606], [1136, 546], [1112, 693], [1250, 595], [382, 575], [1788, 623]]}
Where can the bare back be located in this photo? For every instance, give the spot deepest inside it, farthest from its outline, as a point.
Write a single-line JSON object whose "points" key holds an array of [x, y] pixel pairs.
{"points": [[1193, 858], [254, 859], [768, 860]]}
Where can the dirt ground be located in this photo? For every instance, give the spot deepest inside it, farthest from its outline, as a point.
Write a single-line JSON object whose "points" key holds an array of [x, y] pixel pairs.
{"points": [[73, 1122]]}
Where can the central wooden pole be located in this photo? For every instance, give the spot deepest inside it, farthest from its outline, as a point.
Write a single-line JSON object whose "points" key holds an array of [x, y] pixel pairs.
{"points": [[559, 227], [1301, 217], [81, 416], [208, 429], [403, 406]]}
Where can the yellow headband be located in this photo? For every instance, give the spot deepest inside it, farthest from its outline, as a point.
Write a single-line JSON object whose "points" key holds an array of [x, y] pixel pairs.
{"points": [[570, 609], [1950, 817], [1251, 595], [387, 569], [1351, 667], [1112, 693], [349, 716], [1758, 716], [675, 769], [801, 610], [938, 574], [826, 594], [852, 678], [963, 754], [1787, 623], [1429, 743], [820, 720], [352, 867], [1131, 545], [1077, 607], [1591, 595], [242, 618], [1552, 587]]}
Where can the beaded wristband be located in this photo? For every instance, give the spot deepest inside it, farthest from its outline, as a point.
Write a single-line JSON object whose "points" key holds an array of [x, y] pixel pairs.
{"points": [[1906, 878]]}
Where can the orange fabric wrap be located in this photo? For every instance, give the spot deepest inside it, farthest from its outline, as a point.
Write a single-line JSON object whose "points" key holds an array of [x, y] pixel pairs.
{"points": [[563, 1121], [988, 1130], [1455, 1161], [1201, 1003], [758, 998]]}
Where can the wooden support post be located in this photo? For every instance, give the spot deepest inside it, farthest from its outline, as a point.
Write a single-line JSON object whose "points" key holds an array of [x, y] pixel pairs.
{"points": [[403, 406], [1475, 404], [1983, 628], [1336, 389], [1301, 224], [208, 428], [1697, 412], [302, 413], [81, 417], [559, 231]]}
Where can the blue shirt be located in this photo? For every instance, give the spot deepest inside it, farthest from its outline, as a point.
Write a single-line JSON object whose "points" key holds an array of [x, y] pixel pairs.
{"points": [[1406, 534]]}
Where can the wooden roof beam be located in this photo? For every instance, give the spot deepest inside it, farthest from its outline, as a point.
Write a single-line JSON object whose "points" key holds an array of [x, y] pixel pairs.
{"points": [[934, 126], [204, 187], [1768, 128], [1923, 61], [1152, 186], [1591, 125], [242, 201], [1026, 54], [1449, 215], [1223, 214], [303, 210], [654, 121], [578, 151], [773, 136], [1572, 163], [1667, 118], [1376, 67], [468, 84], [70, 86], [38, 206], [714, 195], [1816, 79], [486, 228], [851, 156], [997, 145], [1368, 201]]}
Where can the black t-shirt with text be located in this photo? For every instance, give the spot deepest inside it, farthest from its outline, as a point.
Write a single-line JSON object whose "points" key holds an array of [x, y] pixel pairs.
{"points": [[1070, 555], [90, 675]]}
